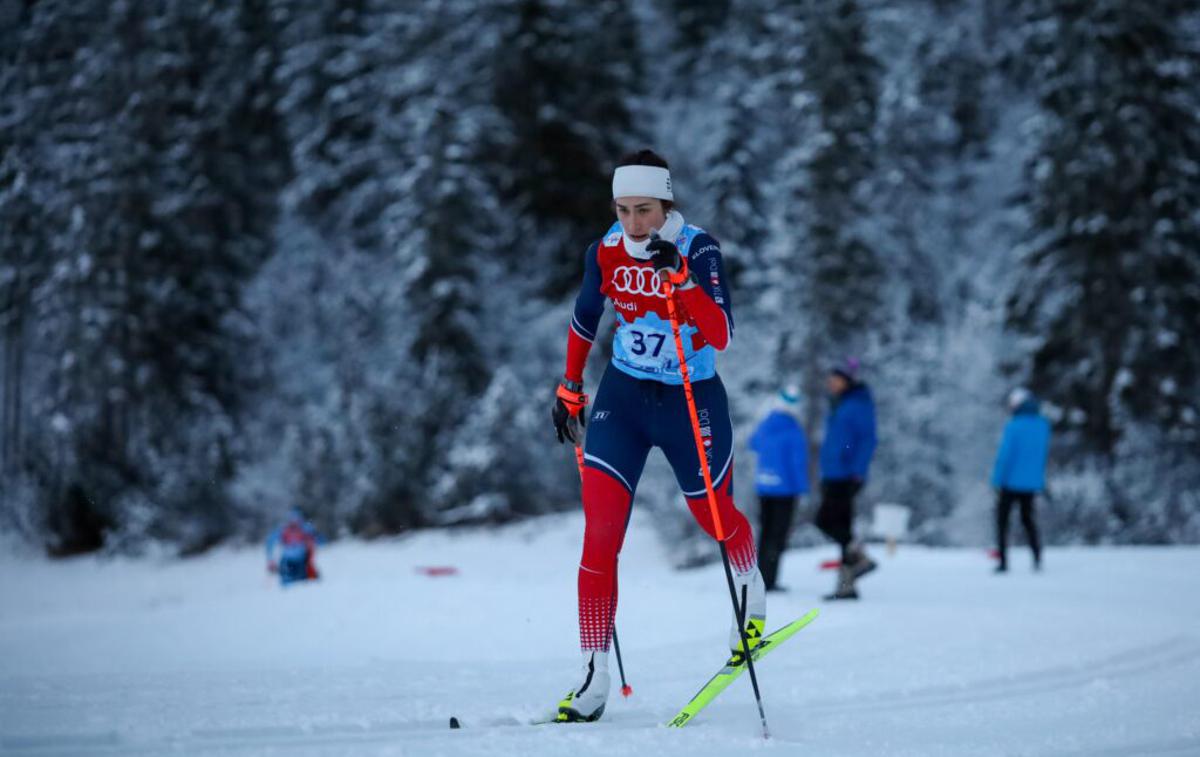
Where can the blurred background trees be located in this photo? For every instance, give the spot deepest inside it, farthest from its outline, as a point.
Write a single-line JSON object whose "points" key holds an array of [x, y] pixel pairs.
{"points": [[264, 253]]}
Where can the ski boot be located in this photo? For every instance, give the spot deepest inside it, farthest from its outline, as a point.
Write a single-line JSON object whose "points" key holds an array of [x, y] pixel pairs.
{"points": [[585, 703], [860, 565], [845, 586], [750, 587]]}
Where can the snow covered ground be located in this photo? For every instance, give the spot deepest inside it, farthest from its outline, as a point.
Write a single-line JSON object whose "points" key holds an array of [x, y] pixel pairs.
{"points": [[1099, 655]]}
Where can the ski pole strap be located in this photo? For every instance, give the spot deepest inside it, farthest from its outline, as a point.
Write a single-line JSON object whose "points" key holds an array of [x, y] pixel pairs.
{"points": [[680, 277], [572, 396]]}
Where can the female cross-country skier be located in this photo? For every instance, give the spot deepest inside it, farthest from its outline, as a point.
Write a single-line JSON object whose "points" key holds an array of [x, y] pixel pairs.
{"points": [[641, 403]]}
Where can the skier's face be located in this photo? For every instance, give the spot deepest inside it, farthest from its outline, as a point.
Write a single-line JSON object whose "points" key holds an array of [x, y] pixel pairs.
{"points": [[640, 215], [836, 384]]}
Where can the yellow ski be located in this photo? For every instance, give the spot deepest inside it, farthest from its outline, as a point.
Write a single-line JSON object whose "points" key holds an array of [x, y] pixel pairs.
{"points": [[734, 667]]}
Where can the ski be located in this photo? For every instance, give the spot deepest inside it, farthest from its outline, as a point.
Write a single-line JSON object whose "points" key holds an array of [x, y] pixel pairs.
{"points": [[456, 723], [734, 667]]}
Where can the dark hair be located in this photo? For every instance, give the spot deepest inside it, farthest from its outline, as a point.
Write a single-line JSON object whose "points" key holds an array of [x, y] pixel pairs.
{"points": [[646, 157], [643, 158]]}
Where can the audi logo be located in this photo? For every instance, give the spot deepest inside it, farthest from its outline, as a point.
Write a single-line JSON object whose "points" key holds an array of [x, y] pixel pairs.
{"points": [[637, 280]]}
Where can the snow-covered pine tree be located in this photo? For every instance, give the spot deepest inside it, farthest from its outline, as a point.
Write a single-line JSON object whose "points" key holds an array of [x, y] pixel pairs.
{"points": [[394, 138], [934, 128], [567, 79], [744, 109], [841, 269], [161, 195], [698, 23], [835, 271], [1110, 291]]}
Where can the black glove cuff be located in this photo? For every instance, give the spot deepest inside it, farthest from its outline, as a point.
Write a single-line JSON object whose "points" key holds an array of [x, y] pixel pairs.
{"points": [[574, 386]]}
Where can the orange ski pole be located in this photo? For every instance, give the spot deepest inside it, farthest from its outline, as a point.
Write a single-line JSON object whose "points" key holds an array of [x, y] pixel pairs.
{"points": [[739, 608]]}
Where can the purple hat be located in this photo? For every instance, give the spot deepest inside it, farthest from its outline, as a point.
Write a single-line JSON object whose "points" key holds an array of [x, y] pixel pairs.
{"points": [[847, 369]]}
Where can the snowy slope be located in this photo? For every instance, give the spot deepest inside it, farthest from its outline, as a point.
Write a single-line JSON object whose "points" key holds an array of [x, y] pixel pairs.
{"points": [[1098, 655]]}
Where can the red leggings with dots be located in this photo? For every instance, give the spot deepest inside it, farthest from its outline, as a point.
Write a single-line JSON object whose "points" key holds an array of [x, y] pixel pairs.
{"points": [[606, 507]]}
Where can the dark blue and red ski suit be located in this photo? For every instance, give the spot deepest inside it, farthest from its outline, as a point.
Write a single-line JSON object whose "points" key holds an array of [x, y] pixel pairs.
{"points": [[640, 404]]}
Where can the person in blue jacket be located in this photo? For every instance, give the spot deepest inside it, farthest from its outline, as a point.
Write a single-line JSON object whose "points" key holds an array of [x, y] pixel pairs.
{"points": [[846, 452], [1020, 471], [297, 541], [781, 477]]}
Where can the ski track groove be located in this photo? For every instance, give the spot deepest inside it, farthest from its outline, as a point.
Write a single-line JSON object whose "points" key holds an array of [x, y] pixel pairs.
{"points": [[1177, 650]]}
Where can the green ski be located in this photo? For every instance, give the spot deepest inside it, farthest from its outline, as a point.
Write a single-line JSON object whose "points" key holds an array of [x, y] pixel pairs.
{"points": [[734, 667]]}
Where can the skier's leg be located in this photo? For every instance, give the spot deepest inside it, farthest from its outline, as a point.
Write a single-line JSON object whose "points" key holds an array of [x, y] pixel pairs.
{"points": [[836, 518], [836, 513], [674, 434], [858, 561], [606, 508], [1003, 508], [776, 522], [1031, 530], [743, 558], [770, 511], [614, 455], [786, 511]]}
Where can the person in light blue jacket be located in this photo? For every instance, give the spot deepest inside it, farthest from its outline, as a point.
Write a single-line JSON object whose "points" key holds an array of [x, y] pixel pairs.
{"points": [[1020, 471], [846, 451], [780, 478]]}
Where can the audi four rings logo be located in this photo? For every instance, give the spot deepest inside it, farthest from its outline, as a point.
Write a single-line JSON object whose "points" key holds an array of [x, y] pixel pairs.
{"points": [[634, 280]]}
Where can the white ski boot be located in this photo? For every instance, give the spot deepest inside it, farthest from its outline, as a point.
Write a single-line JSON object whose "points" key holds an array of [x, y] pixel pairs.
{"points": [[749, 586], [585, 703]]}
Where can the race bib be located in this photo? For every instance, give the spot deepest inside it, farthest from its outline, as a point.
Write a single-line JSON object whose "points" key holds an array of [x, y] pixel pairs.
{"points": [[642, 346]]}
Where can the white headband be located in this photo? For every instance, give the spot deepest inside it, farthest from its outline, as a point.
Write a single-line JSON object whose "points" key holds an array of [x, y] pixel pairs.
{"points": [[642, 181]]}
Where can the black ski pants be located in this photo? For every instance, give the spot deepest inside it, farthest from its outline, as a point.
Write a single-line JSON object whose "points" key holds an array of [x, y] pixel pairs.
{"points": [[1004, 503], [775, 521], [835, 516]]}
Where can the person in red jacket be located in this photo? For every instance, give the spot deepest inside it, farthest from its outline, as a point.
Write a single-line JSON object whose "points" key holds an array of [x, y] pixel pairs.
{"points": [[641, 403]]}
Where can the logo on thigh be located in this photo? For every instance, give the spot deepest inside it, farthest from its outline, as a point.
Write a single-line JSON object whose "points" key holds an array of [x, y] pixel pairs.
{"points": [[705, 437], [599, 415]]}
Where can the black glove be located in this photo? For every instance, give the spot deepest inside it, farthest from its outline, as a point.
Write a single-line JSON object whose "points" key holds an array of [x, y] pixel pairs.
{"points": [[666, 255], [669, 265], [568, 414]]}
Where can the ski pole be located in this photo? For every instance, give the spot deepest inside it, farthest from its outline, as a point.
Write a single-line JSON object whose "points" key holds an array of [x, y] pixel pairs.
{"points": [[626, 689], [739, 608]]}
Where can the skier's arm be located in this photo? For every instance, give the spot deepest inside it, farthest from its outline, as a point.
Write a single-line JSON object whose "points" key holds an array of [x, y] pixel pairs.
{"points": [[589, 306], [708, 304]]}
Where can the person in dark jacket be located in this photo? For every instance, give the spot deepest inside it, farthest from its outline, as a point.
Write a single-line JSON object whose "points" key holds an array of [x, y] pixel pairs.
{"points": [[1020, 471], [846, 454], [780, 478]]}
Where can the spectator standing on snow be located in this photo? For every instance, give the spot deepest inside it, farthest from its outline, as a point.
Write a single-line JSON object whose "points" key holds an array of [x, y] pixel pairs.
{"points": [[1020, 471], [780, 478], [846, 454], [297, 541]]}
